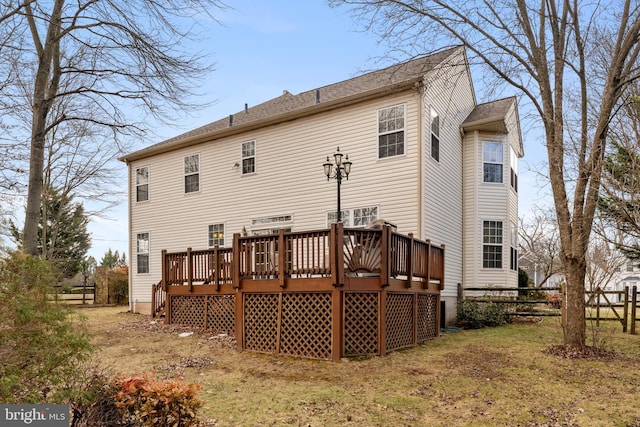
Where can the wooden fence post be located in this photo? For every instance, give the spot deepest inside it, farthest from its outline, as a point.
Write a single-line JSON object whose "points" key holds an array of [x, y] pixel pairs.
{"points": [[625, 310], [634, 302]]}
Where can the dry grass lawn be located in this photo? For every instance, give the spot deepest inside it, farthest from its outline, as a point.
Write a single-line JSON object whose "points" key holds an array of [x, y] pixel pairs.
{"points": [[493, 377]]}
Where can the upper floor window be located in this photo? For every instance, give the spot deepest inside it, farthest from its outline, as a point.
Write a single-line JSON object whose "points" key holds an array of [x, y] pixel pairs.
{"points": [[492, 244], [493, 159], [142, 253], [435, 135], [514, 170], [142, 184], [216, 235], [192, 173], [391, 131], [248, 157]]}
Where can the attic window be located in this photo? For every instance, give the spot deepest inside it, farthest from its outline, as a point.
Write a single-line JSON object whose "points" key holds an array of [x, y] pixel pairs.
{"points": [[391, 131]]}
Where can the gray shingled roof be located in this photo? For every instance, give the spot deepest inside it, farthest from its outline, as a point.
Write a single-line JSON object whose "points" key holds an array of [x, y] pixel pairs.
{"points": [[489, 110], [310, 101]]}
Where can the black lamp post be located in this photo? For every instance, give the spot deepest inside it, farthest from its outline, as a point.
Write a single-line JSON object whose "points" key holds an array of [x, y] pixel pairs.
{"points": [[343, 169]]}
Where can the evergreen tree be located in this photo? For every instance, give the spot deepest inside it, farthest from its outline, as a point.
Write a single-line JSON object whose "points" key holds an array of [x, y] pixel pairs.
{"points": [[619, 203], [62, 233]]}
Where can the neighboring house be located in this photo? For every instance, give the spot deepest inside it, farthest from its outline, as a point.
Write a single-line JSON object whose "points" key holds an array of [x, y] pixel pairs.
{"points": [[426, 158]]}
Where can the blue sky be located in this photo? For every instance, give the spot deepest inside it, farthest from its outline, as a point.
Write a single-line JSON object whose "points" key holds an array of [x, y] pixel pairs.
{"points": [[259, 50]]}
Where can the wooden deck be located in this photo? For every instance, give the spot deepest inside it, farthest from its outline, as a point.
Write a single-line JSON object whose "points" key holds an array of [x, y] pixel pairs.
{"points": [[325, 294]]}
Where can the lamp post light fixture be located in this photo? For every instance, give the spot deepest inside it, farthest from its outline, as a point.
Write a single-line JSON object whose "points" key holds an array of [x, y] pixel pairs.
{"points": [[342, 169]]}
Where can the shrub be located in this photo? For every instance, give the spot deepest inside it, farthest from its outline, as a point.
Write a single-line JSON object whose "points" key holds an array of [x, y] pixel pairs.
{"points": [[147, 402], [42, 344], [476, 315]]}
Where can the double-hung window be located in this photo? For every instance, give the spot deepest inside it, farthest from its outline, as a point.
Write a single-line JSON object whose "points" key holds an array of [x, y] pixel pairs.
{"points": [[192, 173], [492, 156], [492, 244], [248, 157], [435, 135], [216, 235], [391, 131], [142, 184], [142, 253]]}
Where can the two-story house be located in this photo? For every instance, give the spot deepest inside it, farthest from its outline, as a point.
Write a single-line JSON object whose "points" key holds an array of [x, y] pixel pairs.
{"points": [[425, 157]]}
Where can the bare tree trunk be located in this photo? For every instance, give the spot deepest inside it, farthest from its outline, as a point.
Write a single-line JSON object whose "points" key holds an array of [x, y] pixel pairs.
{"points": [[45, 89]]}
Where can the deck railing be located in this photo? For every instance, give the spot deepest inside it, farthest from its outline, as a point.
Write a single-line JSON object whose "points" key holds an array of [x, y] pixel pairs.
{"points": [[323, 293], [337, 252]]}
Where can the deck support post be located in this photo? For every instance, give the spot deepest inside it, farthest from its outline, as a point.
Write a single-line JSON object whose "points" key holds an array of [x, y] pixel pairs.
{"points": [[337, 316], [385, 256], [382, 322]]}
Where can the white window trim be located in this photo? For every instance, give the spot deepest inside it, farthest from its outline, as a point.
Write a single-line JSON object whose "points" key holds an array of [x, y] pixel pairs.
{"points": [[502, 163], [255, 158], [199, 173], [502, 246], [350, 216], [224, 233], [148, 233], [268, 222], [404, 130], [147, 184]]}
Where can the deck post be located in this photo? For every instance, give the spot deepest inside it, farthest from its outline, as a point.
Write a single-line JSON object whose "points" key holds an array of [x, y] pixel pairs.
{"points": [[337, 332], [189, 270], [410, 261], [385, 256], [415, 319], [443, 269], [282, 261], [382, 322], [165, 273], [239, 319], [235, 264], [216, 267], [339, 248], [425, 285]]}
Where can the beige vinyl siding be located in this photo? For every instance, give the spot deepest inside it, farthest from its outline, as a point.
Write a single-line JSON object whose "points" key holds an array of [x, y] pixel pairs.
{"points": [[449, 92], [289, 179], [486, 202]]}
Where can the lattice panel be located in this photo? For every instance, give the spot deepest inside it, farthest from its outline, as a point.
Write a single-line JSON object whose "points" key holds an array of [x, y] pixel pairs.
{"points": [[399, 321], [188, 310], [306, 325], [427, 317], [260, 322], [221, 316], [360, 323]]}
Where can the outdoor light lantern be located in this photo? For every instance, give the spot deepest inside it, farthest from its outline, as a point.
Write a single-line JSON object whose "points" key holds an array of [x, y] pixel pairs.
{"points": [[343, 169], [327, 168]]}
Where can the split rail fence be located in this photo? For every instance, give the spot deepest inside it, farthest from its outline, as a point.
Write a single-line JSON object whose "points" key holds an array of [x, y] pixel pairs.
{"points": [[601, 305]]}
